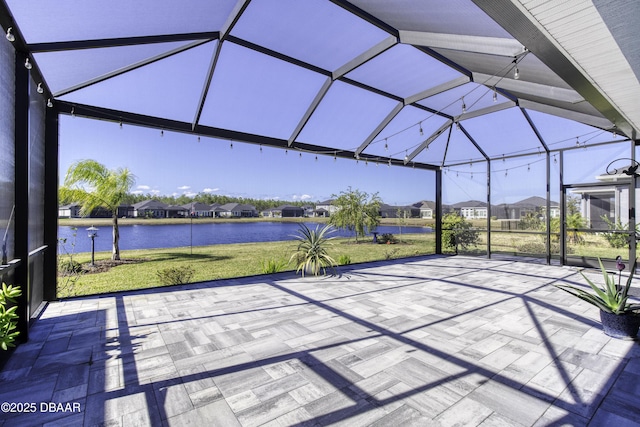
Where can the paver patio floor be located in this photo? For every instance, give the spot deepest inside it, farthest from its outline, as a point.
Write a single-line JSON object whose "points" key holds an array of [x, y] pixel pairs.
{"points": [[434, 341]]}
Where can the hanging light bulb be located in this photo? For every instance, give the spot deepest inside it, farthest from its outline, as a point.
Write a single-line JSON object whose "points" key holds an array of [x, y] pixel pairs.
{"points": [[49, 103], [516, 72], [495, 94], [199, 141], [27, 64], [555, 160], [260, 148], [120, 124], [577, 141], [389, 162], [421, 131], [335, 157], [286, 152], [464, 106], [40, 89], [458, 125], [161, 132], [231, 146], [366, 162], [300, 155], [506, 172], [528, 168], [386, 146], [406, 157], [316, 158], [10, 35], [73, 111]]}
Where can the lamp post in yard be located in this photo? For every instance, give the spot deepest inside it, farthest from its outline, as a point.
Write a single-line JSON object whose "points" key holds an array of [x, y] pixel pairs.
{"points": [[92, 233]]}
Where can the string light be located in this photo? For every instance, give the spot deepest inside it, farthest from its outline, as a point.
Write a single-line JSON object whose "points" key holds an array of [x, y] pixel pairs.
{"points": [[286, 152], [73, 111], [198, 138], [464, 106], [316, 158], [528, 167], [386, 146], [516, 72], [10, 35], [458, 125], [335, 156], [495, 94], [231, 145], [300, 155], [406, 157], [555, 160], [120, 124], [27, 64], [49, 103], [40, 89], [389, 162], [260, 148], [577, 141], [161, 132], [421, 131], [506, 172]]}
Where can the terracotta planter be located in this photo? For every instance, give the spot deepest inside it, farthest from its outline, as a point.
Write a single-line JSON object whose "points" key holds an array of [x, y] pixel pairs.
{"points": [[621, 326]]}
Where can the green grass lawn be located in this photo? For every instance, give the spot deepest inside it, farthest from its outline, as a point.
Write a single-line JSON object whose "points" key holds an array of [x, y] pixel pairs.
{"points": [[246, 259], [223, 261]]}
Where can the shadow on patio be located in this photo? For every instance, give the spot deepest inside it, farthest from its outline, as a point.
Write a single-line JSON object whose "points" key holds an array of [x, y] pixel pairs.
{"points": [[427, 341]]}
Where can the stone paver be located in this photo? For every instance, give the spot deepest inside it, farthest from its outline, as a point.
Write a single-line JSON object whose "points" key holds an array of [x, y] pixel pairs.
{"points": [[433, 341]]}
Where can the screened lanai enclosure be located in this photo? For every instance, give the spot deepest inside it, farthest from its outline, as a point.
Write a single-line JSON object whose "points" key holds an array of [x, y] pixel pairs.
{"points": [[491, 99]]}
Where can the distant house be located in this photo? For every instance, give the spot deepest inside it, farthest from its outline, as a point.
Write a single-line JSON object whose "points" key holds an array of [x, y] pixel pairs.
{"points": [[150, 209], [308, 210], [532, 205], [471, 209], [238, 210], [389, 211], [216, 210], [286, 211], [326, 208], [174, 211], [610, 201], [197, 209], [427, 209], [69, 211]]}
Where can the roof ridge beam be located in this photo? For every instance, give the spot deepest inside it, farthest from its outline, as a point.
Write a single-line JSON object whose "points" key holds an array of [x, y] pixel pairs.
{"points": [[312, 108], [588, 119], [121, 41], [536, 89], [364, 57], [477, 44], [392, 114], [443, 87], [232, 19], [425, 144], [486, 110], [130, 68]]}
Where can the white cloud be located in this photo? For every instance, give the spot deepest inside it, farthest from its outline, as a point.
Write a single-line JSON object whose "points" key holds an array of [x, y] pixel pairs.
{"points": [[190, 194], [143, 187], [154, 191], [184, 187], [295, 197], [137, 192], [305, 197], [210, 190]]}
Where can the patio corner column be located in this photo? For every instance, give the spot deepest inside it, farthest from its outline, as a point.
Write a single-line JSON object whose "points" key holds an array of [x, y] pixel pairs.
{"points": [[21, 183], [632, 208], [438, 224], [51, 173], [488, 208]]}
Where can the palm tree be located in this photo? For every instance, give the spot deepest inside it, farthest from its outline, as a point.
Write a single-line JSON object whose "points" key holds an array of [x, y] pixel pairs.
{"points": [[93, 185]]}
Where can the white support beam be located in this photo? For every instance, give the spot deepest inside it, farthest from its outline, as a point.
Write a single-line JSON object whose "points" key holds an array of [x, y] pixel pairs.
{"points": [[533, 89], [476, 44], [486, 110], [365, 56], [235, 14], [380, 127], [426, 142], [451, 84], [599, 122], [312, 107]]}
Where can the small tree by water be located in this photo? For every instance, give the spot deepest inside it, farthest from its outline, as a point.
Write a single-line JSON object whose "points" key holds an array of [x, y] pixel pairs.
{"points": [[356, 211]]}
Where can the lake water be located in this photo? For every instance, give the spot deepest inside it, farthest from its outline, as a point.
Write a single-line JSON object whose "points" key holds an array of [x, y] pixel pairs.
{"points": [[179, 235]]}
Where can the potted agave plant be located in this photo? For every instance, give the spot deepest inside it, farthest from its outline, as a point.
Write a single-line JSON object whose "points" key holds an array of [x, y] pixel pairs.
{"points": [[619, 317]]}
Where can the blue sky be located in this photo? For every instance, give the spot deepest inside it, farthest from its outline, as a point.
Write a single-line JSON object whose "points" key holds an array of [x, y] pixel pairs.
{"points": [[176, 163], [169, 163]]}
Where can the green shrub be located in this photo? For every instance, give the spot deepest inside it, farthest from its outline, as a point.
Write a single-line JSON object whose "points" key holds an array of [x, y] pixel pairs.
{"points": [[390, 254], [311, 254], [387, 238], [175, 275], [8, 316], [270, 266], [457, 232], [344, 259], [69, 266], [616, 240]]}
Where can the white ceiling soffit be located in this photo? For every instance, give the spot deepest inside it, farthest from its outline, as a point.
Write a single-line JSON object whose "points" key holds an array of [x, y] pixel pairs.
{"points": [[588, 119], [572, 38], [534, 89]]}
